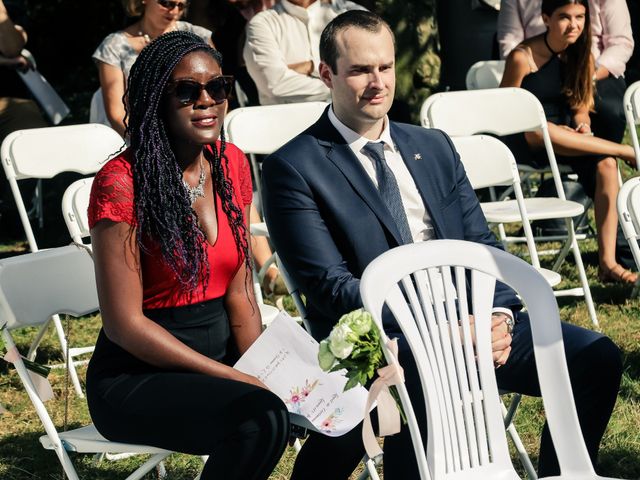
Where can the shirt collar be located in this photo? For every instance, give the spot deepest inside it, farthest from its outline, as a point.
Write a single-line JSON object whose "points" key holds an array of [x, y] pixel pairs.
{"points": [[299, 12], [356, 141]]}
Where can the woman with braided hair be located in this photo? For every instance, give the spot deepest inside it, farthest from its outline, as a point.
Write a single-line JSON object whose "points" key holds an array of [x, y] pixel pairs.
{"points": [[168, 221]]}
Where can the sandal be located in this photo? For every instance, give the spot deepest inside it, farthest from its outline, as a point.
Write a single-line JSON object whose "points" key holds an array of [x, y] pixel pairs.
{"points": [[617, 274]]}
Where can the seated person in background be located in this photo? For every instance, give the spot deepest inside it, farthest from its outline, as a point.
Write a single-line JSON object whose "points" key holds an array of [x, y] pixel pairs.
{"points": [[281, 50], [119, 50], [328, 221], [611, 45], [557, 67], [174, 275], [17, 110], [227, 19]]}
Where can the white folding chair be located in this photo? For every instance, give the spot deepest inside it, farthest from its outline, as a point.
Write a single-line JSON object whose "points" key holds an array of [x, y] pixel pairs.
{"points": [[43, 153], [504, 111], [431, 288], [489, 163], [262, 130], [33, 288], [631, 103], [629, 217], [485, 74]]}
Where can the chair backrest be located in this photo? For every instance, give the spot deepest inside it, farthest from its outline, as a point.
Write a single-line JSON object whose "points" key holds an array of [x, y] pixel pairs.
{"points": [[485, 74], [431, 287], [46, 152], [36, 286], [629, 215], [264, 129], [631, 104], [497, 111], [75, 203]]}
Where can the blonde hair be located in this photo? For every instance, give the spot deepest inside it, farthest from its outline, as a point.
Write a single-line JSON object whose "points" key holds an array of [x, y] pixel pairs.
{"points": [[134, 8]]}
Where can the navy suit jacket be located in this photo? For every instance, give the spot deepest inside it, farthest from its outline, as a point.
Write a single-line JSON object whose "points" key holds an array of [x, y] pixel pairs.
{"points": [[328, 222]]}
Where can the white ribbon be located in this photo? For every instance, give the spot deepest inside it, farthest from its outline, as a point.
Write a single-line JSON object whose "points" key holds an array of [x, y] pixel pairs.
{"points": [[388, 413], [40, 384]]}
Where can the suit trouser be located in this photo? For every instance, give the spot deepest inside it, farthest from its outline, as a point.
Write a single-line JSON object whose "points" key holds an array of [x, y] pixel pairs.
{"points": [[595, 369], [608, 120]]}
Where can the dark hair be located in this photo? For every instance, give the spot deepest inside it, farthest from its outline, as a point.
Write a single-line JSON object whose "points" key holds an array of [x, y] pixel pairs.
{"points": [[162, 205], [362, 19], [578, 84]]}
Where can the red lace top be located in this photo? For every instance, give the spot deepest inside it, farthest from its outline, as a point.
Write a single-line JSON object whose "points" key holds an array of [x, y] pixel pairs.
{"points": [[112, 199]]}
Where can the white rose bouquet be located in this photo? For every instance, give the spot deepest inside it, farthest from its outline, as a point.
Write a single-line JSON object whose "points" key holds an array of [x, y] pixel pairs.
{"points": [[354, 345]]}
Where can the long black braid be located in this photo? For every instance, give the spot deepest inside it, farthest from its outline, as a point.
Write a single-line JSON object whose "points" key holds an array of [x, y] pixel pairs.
{"points": [[162, 205]]}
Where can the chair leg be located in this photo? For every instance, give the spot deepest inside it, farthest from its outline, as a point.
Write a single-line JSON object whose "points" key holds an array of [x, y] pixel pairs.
{"points": [[73, 373], [148, 466], [33, 349], [585, 282], [508, 415], [369, 470]]}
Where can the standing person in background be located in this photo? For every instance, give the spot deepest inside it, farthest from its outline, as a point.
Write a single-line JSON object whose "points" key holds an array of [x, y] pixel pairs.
{"points": [[117, 52], [281, 50], [557, 68], [612, 45], [169, 229], [17, 110]]}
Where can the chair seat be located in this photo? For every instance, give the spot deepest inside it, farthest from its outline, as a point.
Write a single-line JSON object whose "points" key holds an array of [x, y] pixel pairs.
{"points": [[88, 440], [268, 314], [552, 278], [538, 208]]}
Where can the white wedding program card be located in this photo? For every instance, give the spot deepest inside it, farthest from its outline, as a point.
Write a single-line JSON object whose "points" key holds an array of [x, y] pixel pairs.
{"points": [[285, 358]]}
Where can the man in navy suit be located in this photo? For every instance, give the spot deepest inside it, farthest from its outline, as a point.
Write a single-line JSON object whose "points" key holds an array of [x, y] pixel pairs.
{"points": [[354, 185]]}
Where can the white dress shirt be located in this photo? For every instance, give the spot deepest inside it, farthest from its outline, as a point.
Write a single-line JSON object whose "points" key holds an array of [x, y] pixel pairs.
{"points": [[284, 35], [417, 215], [612, 40]]}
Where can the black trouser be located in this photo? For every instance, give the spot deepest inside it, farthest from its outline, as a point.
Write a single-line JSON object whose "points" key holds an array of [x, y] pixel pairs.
{"points": [[242, 427], [595, 369]]}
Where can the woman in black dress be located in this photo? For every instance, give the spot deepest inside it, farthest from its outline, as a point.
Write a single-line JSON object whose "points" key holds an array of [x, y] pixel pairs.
{"points": [[558, 69]]}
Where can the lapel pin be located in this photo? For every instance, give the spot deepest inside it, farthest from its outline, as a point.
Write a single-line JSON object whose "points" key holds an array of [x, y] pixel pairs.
{"points": [[417, 156]]}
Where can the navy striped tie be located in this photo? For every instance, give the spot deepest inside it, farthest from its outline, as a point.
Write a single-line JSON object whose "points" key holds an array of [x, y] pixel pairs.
{"points": [[388, 189]]}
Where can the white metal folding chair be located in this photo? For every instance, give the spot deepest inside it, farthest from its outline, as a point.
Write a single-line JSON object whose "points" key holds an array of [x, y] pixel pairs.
{"points": [[262, 130], [504, 111], [631, 103], [33, 288], [485, 74], [43, 153], [629, 217], [431, 288]]}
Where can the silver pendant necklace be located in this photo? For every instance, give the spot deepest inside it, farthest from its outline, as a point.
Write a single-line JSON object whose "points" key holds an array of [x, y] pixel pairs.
{"points": [[197, 191]]}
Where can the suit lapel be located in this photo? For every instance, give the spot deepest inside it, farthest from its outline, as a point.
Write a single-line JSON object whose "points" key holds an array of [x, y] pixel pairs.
{"points": [[341, 155], [418, 161]]}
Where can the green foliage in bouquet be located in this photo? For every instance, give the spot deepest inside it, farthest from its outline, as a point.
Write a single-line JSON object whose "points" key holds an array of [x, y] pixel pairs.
{"points": [[354, 345]]}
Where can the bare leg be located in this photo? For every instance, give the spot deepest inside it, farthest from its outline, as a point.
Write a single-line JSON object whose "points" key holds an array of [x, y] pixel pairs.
{"points": [[569, 143]]}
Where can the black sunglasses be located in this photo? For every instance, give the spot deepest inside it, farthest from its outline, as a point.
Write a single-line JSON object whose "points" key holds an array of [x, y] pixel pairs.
{"points": [[170, 5], [189, 91]]}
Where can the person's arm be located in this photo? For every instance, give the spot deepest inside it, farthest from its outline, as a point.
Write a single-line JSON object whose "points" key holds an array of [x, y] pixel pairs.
{"points": [[510, 27], [268, 68], [617, 39], [242, 309], [119, 281], [304, 243], [113, 84], [516, 68], [582, 120], [12, 37]]}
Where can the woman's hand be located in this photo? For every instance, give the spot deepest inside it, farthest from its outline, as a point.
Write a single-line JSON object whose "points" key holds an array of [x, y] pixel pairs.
{"points": [[246, 378]]}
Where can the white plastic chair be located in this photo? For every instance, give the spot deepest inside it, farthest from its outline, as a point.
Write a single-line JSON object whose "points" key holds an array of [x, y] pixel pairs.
{"points": [[629, 217], [504, 111], [262, 130], [33, 288], [43, 153], [631, 103], [485, 74], [430, 288]]}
